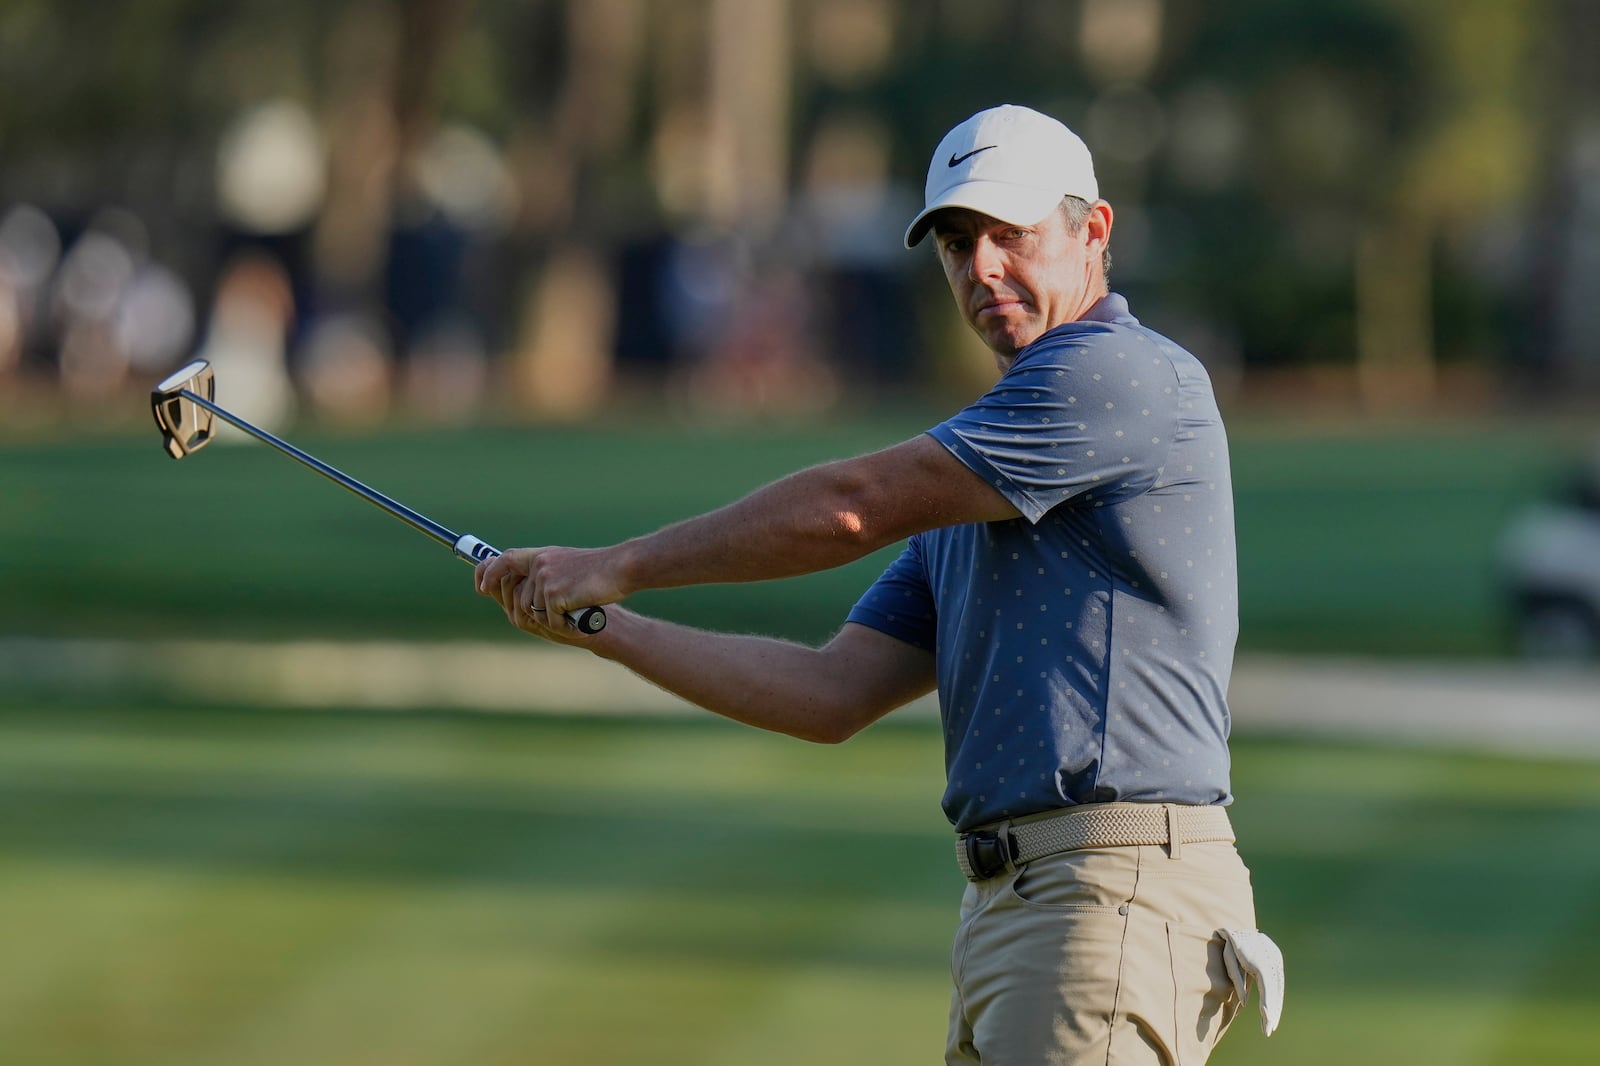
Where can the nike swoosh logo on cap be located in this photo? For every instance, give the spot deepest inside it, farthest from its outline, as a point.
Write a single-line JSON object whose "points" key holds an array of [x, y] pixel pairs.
{"points": [[957, 160]]}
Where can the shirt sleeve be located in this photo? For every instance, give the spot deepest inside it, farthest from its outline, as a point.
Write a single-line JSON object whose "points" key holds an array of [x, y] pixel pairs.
{"points": [[900, 603], [1085, 416]]}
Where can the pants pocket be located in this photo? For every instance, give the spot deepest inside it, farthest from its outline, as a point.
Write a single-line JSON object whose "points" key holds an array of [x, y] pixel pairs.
{"points": [[1204, 1002], [1095, 879], [1176, 999], [1037, 985]]}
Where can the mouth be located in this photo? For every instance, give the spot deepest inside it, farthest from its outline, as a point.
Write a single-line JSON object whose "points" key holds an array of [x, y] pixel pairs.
{"points": [[996, 308]]}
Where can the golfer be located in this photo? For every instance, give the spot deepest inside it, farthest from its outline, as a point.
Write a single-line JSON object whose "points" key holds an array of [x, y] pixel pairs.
{"points": [[1069, 589]]}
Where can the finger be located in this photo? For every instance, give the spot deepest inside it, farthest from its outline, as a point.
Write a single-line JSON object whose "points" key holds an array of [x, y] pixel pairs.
{"points": [[533, 591], [489, 573], [538, 625], [533, 620], [541, 596], [548, 599], [502, 592], [512, 561], [507, 592], [525, 594]]}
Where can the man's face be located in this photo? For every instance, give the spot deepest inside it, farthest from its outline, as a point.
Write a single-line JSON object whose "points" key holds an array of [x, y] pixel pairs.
{"points": [[1013, 283]]}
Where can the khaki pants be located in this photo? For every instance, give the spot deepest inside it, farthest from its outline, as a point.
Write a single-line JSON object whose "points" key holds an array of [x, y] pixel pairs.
{"points": [[1105, 955]]}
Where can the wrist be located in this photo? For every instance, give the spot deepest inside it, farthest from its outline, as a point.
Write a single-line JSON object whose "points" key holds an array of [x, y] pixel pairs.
{"points": [[612, 642], [628, 571]]}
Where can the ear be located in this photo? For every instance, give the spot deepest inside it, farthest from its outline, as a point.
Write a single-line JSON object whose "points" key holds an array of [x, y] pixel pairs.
{"points": [[1097, 227]]}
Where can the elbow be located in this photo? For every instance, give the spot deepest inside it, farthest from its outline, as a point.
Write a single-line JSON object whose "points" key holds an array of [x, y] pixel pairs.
{"points": [[833, 726], [831, 735], [849, 524], [860, 518], [854, 505]]}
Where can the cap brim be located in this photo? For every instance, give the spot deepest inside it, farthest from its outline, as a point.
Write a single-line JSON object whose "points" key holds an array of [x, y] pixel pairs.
{"points": [[1017, 204]]}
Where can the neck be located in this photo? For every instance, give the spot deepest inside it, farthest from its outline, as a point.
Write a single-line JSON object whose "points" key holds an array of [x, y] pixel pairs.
{"points": [[1093, 293]]}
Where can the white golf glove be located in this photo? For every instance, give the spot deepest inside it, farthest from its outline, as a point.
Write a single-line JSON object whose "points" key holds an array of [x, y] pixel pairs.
{"points": [[1250, 953]]}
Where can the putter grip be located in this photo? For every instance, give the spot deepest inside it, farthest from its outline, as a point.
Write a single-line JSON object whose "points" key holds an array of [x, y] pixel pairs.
{"points": [[589, 620]]}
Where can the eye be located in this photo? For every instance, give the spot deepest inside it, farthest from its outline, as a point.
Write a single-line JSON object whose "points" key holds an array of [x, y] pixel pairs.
{"points": [[955, 243], [1015, 233]]}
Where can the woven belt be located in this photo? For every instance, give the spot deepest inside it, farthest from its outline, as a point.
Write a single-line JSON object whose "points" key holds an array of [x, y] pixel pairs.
{"points": [[983, 853]]}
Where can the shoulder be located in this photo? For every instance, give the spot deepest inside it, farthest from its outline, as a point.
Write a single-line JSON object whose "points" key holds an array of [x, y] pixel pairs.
{"points": [[1109, 342], [1092, 358]]}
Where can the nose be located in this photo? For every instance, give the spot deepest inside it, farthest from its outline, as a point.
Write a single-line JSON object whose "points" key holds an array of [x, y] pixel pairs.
{"points": [[986, 264]]}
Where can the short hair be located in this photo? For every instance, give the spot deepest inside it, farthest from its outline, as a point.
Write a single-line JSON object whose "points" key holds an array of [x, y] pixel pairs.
{"points": [[1075, 209]]}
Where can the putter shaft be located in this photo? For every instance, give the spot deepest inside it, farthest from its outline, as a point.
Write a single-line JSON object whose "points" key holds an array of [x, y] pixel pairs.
{"points": [[465, 546], [414, 519]]}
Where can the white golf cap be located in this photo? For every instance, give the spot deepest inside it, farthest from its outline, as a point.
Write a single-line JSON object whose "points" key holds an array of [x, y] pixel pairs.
{"points": [[1011, 163]]}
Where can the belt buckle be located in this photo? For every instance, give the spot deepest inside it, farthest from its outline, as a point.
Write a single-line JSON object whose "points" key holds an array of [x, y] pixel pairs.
{"points": [[988, 852]]}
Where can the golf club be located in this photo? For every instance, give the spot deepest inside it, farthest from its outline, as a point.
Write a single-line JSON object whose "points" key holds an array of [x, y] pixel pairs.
{"points": [[185, 411]]}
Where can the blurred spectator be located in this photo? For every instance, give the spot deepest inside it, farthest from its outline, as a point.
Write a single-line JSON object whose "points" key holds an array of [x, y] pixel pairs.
{"points": [[742, 332], [155, 321], [271, 187], [763, 359], [115, 310], [271, 173], [83, 302], [247, 342], [851, 215], [644, 339], [459, 200], [701, 278], [561, 366], [423, 282], [10, 325], [30, 249], [347, 368], [445, 375]]}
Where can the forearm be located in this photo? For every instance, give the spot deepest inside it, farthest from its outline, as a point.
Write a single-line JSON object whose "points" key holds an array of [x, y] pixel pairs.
{"points": [[771, 684], [813, 520]]}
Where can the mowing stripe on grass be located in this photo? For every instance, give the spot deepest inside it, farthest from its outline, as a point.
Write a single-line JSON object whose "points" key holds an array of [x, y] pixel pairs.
{"points": [[425, 890], [1528, 709]]}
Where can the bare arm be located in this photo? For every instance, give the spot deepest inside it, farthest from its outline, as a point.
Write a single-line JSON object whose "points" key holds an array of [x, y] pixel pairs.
{"points": [[822, 694], [813, 520]]}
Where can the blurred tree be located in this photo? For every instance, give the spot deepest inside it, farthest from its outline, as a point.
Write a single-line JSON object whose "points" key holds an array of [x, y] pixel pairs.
{"points": [[1564, 341], [1467, 167], [1367, 184], [1300, 113]]}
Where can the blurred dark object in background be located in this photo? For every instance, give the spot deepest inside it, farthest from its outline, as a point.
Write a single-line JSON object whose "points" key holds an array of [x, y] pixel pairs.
{"points": [[1550, 571]]}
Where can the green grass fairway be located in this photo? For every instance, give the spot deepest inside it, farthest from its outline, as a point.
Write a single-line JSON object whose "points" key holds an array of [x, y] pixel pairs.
{"points": [[229, 888], [1380, 542]]}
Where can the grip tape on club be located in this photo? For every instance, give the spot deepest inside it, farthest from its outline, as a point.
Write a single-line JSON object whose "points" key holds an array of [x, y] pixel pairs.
{"points": [[587, 619]]}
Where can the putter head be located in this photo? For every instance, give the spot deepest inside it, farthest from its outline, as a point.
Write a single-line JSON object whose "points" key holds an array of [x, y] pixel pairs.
{"points": [[185, 425]]}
